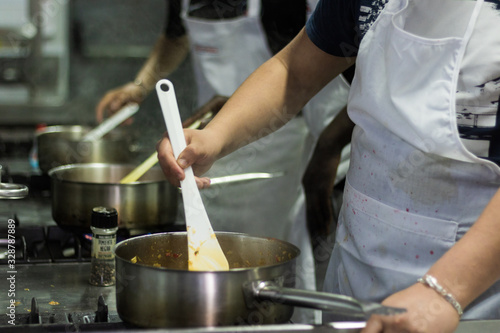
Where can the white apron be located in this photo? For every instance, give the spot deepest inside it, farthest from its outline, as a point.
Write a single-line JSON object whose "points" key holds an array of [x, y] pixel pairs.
{"points": [[412, 189], [225, 53]]}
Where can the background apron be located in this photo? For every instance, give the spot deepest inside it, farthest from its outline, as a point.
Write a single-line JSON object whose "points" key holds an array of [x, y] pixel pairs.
{"points": [[412, 189], [225, 52]]}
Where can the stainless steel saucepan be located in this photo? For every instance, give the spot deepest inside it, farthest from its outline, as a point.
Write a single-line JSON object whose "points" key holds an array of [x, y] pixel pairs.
{"points": [[149, 202], [154, 287]]}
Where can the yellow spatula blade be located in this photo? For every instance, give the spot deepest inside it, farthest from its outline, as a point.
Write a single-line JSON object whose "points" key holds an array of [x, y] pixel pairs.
{"points": [[140, 170]]}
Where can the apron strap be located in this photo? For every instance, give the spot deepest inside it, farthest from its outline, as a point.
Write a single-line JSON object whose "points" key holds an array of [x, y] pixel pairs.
{"points": [[473, 19]]}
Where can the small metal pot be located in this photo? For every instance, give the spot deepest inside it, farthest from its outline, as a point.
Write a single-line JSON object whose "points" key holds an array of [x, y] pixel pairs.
{"points": [[61, 145], [147, 203]]}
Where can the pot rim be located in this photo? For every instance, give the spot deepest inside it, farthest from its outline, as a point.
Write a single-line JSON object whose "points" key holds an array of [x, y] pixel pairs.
{"points": [[54, 172], [62, 128], [227, 233]]}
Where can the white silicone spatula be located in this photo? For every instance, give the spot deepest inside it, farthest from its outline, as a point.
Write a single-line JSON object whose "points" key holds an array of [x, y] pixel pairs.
{"points": [[205, 253], [109, 124]]}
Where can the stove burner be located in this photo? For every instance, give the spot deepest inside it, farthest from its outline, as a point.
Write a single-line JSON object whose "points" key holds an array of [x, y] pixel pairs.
{"points": [[38, 321], [46, 244]]}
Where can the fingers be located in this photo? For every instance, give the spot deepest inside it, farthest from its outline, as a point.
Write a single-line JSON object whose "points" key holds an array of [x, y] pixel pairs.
{"points": [[174, 169], [110, 103], [171, 168], [115, 99], [203, 182], [387, 324], [102, 107], [373, 325]]}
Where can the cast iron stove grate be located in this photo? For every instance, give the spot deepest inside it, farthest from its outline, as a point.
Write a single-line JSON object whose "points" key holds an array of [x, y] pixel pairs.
{"points": [[38, 321]]}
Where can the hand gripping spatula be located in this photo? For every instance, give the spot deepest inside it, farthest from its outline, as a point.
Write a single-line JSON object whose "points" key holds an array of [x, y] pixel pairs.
{"points": [[205, 253]]}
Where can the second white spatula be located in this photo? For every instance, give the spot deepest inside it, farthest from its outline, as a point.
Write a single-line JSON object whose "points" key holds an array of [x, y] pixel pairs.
{"points": [[205, 253]]}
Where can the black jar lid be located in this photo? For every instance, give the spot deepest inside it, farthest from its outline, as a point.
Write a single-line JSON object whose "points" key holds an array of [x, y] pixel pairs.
{"points": [[104, 217]]}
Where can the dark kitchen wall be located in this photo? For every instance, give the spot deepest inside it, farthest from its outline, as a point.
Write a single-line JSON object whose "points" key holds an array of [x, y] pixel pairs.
{"points": [[110, 40]]}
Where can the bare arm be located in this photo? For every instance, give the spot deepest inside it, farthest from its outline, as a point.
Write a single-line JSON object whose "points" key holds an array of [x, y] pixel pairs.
{"points": [[277, 90], [269, 97], [166, 56]]}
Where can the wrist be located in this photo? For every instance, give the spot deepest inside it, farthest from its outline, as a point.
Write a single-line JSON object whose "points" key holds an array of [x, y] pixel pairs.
{"points": [[142, 86], [432, 283]]}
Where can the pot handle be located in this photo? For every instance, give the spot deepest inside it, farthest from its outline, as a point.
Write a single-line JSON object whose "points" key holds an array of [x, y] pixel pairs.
{"points": [[244, 177], [13, 191], [341, 304]]}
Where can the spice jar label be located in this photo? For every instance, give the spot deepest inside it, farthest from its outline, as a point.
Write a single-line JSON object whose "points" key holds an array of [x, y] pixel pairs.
{"points": [[103, 246]]}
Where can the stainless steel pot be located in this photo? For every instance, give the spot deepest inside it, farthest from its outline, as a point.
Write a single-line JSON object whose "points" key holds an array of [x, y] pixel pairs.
{"points": [[155, 289], [61, 145], [172, 296], [76, 188]]}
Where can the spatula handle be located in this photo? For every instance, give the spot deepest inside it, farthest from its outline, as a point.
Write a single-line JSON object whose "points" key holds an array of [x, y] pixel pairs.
{"points": [[166, 95], [191, 196], [109, 124]]}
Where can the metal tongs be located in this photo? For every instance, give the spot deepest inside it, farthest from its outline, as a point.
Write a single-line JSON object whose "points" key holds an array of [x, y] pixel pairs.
{"points": [[339, 304]]}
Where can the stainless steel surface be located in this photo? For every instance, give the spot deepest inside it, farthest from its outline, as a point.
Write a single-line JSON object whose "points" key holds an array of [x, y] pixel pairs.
{"points": [[64, 284], [77, 188], [61, 145], [172, 296], [340, 304]]}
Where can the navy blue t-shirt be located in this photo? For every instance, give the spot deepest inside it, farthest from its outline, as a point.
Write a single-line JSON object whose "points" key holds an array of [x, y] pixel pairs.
{"points": [[345, 23]]}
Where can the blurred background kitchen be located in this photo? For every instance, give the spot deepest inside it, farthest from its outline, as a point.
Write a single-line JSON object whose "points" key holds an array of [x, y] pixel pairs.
{"points": [[58, 58]]}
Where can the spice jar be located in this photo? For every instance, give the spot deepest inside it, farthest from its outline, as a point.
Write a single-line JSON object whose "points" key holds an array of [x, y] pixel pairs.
{"points": [[104, 225]]}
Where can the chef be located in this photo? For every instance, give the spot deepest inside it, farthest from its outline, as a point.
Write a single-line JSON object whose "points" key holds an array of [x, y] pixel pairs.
{"points": [[228, 41], [420, 212]]}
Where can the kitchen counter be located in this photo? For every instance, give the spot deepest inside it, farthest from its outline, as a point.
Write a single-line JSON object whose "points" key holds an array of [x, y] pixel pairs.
{"points": [[61, 289]]}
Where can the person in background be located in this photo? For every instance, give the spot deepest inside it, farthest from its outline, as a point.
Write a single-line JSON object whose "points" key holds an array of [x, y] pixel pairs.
{"points": [[228, 40], [418, 224], [323, 180]]}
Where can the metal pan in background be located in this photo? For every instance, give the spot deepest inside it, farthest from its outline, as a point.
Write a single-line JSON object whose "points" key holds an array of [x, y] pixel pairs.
{"points": [[149, 203], [62, 145]]}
